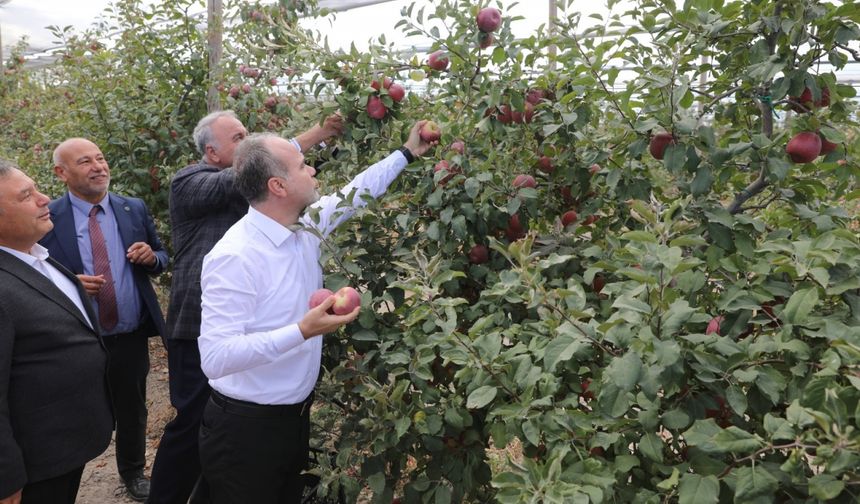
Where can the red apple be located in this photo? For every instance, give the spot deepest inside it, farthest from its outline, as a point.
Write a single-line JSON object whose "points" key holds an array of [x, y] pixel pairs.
{"points": [[544, 164], [568, 218], [270, 102], [714, 325], [804, 102], [246, 88], [318, 297], [598, 283], [566, 195], [534, 96], [804, 147], [430, 132], [346, 299], [489, 19], [438, 60], [234, 91], [479, 254], [386, 83], [396, 92], [444, 165], [591, 219], [826, 146], [273, 81], [485, 40], [458, 146], [525, 116], [523, 180], [514, 230], [375, 108], [593, 169], [658, 144], [505, 115], [586, 394]]}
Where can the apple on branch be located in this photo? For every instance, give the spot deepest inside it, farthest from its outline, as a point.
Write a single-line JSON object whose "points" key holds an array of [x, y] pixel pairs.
{"points": [[658, 144], [479, 254], [375, 108], [804, 147], [524, 180], [438, 60], [489, 19], [396, 92], [458, 146]]}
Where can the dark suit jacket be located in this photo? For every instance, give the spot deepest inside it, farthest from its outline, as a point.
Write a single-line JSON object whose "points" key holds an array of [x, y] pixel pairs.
{"points": [[55, 412], [203, 205], [135, 225]]}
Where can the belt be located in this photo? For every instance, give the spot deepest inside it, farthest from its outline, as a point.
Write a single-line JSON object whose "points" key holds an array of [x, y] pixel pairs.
{"points": [[250, 409]]}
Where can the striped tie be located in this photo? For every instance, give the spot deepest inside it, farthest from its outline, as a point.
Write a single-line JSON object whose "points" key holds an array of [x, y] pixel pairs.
{"points": [[106, 297]]}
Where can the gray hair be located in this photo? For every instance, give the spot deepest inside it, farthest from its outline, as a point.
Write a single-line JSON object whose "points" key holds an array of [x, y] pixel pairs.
{"points": [[255, 165], [203, 131], [6, 167]]}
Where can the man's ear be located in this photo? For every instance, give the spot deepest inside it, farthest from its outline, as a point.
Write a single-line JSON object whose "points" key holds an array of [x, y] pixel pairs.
{"points": [[60, 172], [211, 155], [276, 186]]}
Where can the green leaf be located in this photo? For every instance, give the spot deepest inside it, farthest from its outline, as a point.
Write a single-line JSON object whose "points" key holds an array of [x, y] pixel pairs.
{"points": [[778, 168], [652, 447], [676, 419], [737, 399], [800, 305], [481, 397], [825, 487], [671, 481], [753, 482], [625, 371], [443, 494], [696, 489], [734, 439], [675, 157], [561, 349], [640, 236]]}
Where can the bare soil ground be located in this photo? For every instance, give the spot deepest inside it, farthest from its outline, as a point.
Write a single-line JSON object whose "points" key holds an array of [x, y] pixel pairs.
{"points": [[100, 483]]}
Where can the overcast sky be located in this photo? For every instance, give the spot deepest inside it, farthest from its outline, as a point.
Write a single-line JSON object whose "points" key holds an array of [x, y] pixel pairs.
{"points": [[30, 17]]}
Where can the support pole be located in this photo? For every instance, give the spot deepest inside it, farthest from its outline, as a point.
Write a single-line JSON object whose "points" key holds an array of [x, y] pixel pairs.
{"points": [[216, 49]]}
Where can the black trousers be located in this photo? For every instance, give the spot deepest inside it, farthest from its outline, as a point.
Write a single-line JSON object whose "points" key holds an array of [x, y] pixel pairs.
{"points": [[251, 456], [127, 370], [176, 470], [62, 489]]}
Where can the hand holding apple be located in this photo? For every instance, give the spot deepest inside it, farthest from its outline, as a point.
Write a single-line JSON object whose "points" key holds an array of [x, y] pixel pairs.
{"points": [[319, 321], [417, 145], [333, 125]]}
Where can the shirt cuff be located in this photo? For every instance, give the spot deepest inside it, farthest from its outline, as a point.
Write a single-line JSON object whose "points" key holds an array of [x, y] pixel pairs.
{"points": [[296, 144], [287, 338]]}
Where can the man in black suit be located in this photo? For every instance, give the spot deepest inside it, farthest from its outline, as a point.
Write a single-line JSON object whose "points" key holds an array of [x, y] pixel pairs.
{"points": [[55, 412], [91, 223]]}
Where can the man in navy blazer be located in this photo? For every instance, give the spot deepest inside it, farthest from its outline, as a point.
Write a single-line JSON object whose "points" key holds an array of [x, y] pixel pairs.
{"points": [[89, 221], [55, 411]]}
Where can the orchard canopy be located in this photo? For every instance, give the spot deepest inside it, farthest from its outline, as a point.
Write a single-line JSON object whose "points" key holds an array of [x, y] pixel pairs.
{"points": [[665, 305]]}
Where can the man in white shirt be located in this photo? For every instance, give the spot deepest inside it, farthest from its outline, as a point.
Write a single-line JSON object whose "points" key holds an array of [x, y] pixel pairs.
{"points": [[260, 346]]}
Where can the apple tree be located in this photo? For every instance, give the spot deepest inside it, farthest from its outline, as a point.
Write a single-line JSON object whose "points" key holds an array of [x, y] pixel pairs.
{"points": [[690, 333]]}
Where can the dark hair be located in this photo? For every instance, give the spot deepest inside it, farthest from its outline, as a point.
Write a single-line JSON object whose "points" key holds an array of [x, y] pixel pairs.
{"points": [[255, 165]]}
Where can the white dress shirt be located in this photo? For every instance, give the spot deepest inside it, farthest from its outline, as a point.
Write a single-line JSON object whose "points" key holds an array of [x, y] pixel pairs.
{"points": [[38, 260], [256, 284]]}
